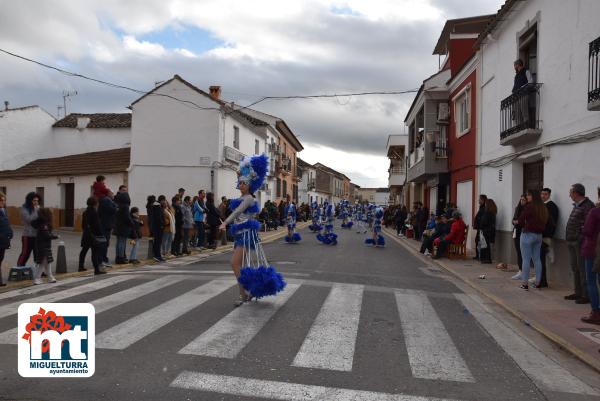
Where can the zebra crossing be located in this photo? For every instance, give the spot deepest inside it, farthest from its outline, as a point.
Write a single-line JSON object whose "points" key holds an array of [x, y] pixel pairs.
{"points": [[329, 345]]}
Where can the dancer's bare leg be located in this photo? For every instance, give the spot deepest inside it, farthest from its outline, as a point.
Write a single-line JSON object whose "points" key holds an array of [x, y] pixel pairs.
{"points": [[236, 266]]}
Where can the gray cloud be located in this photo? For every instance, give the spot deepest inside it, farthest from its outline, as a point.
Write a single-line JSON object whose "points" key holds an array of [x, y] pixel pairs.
{"points": [[329, 54]]}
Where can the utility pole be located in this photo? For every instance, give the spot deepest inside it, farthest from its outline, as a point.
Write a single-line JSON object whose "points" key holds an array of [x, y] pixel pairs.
{"points": [[65, 95]]}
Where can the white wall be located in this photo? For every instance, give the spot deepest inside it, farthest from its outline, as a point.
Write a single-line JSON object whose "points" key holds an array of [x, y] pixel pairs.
{"points": [[564, 32], [382, 198], [25, 135]]}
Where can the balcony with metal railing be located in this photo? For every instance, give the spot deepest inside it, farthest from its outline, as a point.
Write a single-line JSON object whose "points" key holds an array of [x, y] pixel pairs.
{"points": [[519, 115], [594, 76], [397, 176]]}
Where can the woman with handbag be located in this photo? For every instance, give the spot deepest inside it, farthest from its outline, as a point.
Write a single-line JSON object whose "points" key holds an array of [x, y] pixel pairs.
{"points": [[92, 234]]}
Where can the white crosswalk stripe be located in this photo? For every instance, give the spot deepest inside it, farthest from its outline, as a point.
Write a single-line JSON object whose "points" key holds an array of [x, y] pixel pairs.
{"points": [[431, 352], [12, 308], [332, 338], [131, 331], [543, 370], [38, 288], [232, 333], [330, 343], [282, 391], [110, 301]]}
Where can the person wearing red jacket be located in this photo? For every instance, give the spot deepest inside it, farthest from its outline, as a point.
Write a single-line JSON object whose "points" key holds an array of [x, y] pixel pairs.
{"points": [[456, 236]]}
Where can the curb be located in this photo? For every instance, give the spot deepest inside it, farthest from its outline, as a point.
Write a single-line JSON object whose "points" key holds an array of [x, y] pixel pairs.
{"points": [[280, 233], [556, 339]]}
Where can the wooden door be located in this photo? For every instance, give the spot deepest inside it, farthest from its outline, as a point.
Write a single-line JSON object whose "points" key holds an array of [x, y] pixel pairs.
{"points": [[533, 176], [69, 205]]}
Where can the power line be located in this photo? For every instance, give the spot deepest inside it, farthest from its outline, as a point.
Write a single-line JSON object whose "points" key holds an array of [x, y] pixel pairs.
{"points": [[143, 93]]}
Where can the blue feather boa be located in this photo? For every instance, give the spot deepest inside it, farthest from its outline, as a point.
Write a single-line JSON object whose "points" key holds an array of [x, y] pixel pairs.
{"points": [[328, 239], [234, 203], [294, 238], [247, 225], [261, 281], [380, 240], [315, 227]]}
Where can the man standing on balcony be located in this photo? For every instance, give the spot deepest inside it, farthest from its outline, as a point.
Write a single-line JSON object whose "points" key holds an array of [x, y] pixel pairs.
{"points": [[522, 78]]}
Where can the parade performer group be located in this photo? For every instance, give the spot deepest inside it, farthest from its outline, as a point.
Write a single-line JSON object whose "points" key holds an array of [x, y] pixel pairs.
{"points": [[377, 238], [291, 216], [256, 277], [328, 237]]}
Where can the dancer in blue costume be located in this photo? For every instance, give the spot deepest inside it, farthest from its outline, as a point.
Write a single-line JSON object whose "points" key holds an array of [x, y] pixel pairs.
{"points": [[360, 219], [291, 215], [316, 225], [377, 238], [328, 237], [256, 278], [346, 214]]}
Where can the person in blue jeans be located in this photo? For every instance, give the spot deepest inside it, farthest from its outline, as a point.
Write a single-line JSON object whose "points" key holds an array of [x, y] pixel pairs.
{"points": [[199, 210], [591, 256], [533, 220]]}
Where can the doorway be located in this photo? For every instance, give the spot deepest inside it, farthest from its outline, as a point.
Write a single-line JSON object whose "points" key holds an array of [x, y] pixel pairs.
{"points": [[69, 202], [533, 176]]}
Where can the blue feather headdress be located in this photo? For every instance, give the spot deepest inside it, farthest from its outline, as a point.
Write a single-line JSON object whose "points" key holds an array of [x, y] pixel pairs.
{"points": [[253, 170]]}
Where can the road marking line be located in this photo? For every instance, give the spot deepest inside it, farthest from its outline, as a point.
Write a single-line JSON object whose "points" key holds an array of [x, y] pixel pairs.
{"points": [[12, 308], [331, 340], [131, 331], [110, 301], [231, 334], [431, 352], [539, 367], [37, 288], [274, 390]]}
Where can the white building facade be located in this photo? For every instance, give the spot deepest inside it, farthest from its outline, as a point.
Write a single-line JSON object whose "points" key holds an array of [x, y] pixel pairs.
{"points": [[544, 135]]}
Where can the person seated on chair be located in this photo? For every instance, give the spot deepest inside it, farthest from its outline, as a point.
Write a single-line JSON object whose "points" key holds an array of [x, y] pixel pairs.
{"points": [[456, 236], [442, 228]]}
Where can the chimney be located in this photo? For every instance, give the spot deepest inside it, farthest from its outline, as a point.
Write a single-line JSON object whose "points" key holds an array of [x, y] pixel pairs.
{"points": [[215, 92], [6, 105]]}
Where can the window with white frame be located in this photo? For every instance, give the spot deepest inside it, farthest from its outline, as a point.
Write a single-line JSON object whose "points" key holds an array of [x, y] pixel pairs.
{"points": [[462, 112], [236, 137]]}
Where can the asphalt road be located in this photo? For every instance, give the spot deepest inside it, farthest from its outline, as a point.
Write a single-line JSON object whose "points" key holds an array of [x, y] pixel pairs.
{"points": [[355, 323]]}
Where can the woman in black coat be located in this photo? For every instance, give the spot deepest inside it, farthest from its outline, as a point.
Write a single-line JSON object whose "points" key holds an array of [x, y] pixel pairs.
{"points": [[487, 227], [6, 232], [43, 246], [92, 235], [213, 219]]}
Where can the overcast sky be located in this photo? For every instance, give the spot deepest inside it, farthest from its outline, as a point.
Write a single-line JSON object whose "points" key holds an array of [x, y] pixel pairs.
{"points": [[251, 48]]}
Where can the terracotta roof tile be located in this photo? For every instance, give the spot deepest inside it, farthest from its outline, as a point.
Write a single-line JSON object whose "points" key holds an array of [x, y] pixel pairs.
{"points": [[108, 161], [97, 120]]}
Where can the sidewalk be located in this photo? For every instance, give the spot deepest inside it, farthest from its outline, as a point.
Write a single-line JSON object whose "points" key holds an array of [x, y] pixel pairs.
{"points": [[544, 310], [72, 242]]}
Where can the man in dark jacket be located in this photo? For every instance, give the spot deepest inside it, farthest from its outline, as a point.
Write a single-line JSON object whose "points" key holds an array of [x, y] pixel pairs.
{"points": [[581, 207], [548, 233], [6, 232], [107, 210], [477, 223], [124, 227], [176, 245], [156, 226]]}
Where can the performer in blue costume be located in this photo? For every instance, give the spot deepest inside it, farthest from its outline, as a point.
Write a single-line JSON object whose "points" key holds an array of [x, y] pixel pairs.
{"points": [[316, 225], [328, 237], [291, 215], [256, 278], [360, 219], [377, 238], [346, 214]]}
